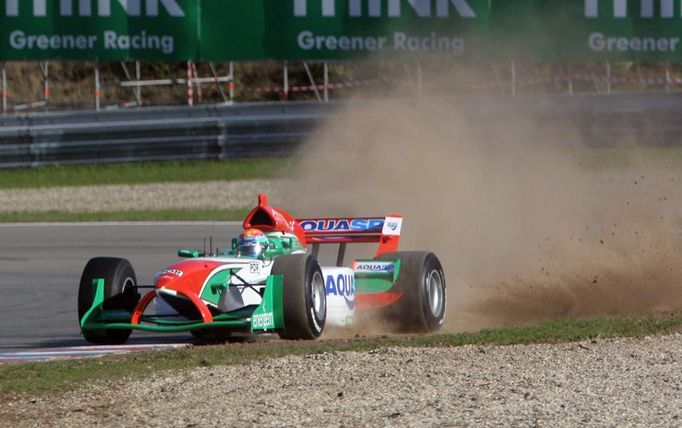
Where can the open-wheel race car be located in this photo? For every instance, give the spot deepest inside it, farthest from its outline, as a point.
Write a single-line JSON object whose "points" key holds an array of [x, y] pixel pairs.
{"points": [[269, 282]]}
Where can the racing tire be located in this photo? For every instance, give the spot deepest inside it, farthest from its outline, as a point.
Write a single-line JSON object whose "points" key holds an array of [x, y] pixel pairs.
{"points": [[120, 293], [421, 279], [304, 296]]}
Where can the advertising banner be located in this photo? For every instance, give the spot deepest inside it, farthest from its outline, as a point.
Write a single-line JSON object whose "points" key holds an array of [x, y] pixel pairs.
{"points": [[222, 30], [341, 29], [98, 29]]}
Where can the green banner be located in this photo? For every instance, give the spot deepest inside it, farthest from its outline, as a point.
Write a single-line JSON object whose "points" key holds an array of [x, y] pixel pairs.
{"points": [[99, 29], [221, 30]]}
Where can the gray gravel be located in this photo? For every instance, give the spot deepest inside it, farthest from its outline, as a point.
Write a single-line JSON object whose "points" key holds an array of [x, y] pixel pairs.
{"points": [[156, 196], [620, 382]]}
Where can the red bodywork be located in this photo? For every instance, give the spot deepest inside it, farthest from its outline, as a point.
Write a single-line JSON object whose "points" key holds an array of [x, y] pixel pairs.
{"points": [[268, 219], [188, 284]]}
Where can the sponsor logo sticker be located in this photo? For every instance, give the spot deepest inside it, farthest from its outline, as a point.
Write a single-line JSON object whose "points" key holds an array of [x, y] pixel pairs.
{"points": [[392, 226], [175, 272], [342, 285], [374, 267], [263, 321], [343, 225]]}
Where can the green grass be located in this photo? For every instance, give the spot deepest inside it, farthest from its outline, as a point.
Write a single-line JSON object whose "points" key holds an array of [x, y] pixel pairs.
{"points": [[154, 215], [245, 169], [56, 377], [146, 172]]}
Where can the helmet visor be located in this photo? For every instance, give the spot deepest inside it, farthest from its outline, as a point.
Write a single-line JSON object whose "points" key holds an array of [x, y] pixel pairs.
{"points": [[251, 249]]}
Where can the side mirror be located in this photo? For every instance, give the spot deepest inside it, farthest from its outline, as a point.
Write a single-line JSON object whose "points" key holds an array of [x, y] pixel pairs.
{"points": [[234, 245], [189, 253]]}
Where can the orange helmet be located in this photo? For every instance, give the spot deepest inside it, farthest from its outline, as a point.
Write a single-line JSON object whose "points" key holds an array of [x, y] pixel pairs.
{"points": [[252, 243]]}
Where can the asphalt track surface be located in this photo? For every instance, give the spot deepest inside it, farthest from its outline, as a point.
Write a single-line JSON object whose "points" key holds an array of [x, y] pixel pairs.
{"points": [[41, 265]]}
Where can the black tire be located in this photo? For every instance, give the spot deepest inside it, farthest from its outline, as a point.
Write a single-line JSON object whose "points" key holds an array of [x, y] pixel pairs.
{"points": [[120, 292], [304, 296], [424, 302]]}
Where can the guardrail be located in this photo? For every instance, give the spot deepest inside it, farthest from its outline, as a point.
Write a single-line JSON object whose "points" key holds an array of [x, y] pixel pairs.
{"points": [[276, 129], [214, 132]]}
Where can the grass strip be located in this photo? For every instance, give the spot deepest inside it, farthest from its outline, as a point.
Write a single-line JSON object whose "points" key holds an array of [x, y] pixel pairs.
{"points": [[143, 172], [60, 376], [591, 158], [153, 215]]}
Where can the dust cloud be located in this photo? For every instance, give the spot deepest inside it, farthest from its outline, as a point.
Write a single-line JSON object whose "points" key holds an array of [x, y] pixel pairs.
{"points": [[526, 223]]}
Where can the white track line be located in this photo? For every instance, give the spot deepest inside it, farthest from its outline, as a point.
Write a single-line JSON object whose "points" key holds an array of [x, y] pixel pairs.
{"points": [[72, 352]]}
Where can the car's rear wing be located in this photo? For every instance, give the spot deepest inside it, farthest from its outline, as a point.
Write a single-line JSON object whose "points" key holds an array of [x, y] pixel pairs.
{"points": [[353, 230]]}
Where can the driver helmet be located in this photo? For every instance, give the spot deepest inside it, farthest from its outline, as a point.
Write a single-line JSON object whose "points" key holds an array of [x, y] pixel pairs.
{"points": [[252, 243]]}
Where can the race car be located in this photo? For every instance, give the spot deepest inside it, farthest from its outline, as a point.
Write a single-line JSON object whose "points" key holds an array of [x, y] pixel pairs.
{"points": [[270, 281]]}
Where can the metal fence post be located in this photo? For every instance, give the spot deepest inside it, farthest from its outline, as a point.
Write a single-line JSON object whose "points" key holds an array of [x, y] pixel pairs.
{"points": [[190, 91], [608, 77], [4, 89], [231, 84], [46, 83], [419, 78], [326, 81], [217, 82], [312, 81], [513, 78], [286, 80], [98, 86], [196, 81], [138, 88], [570, 83]]}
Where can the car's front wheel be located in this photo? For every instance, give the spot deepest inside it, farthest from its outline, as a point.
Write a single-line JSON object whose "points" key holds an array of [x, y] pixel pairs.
{"points": [[120, 293], [304, 296]]}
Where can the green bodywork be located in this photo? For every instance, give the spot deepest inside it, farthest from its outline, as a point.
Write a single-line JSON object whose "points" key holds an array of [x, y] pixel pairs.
{"points": [[216, 286], [376, 282], [277, 246], [267, 316], [281, 245]]}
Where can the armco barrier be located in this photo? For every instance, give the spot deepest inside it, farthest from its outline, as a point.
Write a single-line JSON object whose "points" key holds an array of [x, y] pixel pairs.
{"points": [[275, 129], [212, 132]]}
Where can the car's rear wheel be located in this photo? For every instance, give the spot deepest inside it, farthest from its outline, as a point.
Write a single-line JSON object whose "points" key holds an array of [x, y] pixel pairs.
{"points": [[120, 293], [304, 296], [422, 281]]}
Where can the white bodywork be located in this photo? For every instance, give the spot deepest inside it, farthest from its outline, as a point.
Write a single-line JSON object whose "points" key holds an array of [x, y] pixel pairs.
{"points": [[340, 289]]}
